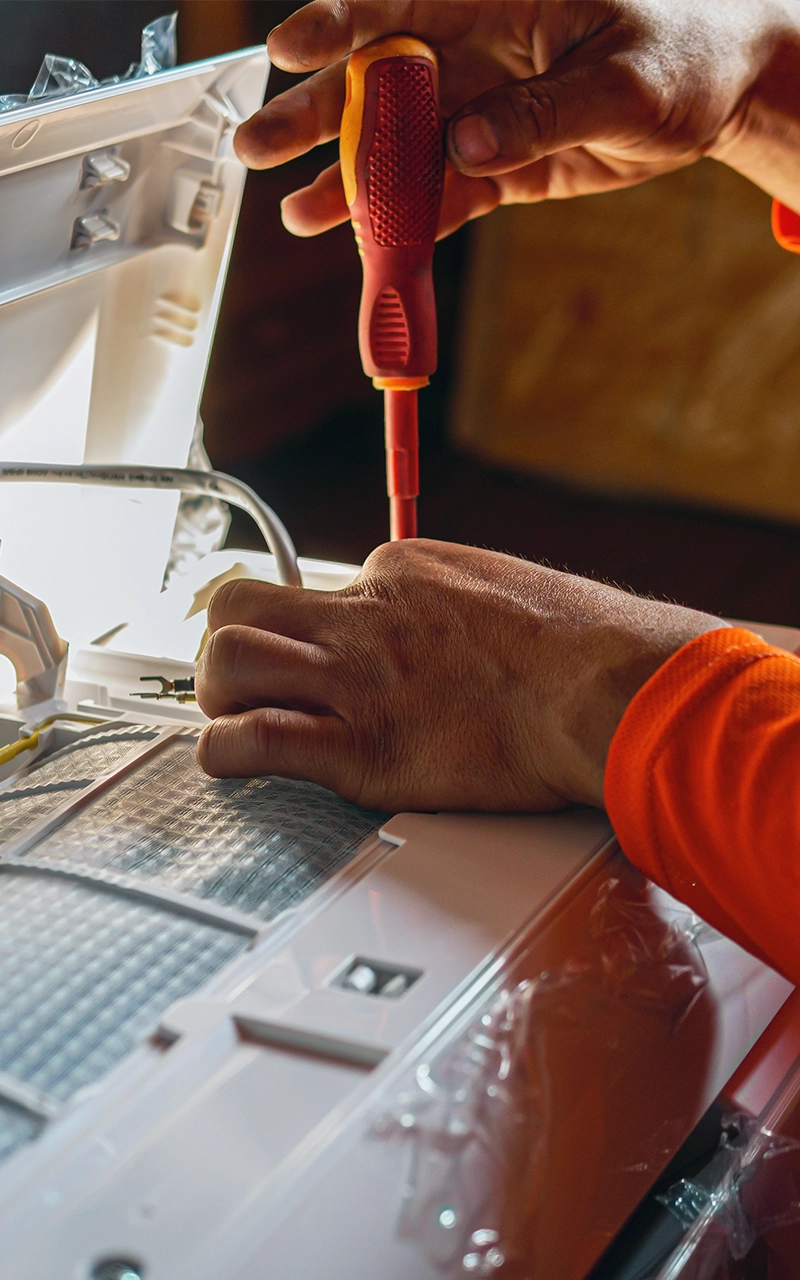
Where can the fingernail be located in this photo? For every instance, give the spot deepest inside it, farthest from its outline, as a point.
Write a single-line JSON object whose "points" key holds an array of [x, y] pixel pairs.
{"points": [[293, 224], [475, 140]]}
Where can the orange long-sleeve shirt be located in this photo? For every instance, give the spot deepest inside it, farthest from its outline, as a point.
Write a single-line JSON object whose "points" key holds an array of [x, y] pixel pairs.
{"points": [[703, 776], [703, 788]]}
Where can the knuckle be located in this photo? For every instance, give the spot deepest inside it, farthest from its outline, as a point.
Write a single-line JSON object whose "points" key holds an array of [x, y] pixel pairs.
{"points": [[224, 602], [650, 88], [340, 11], [266, 732], [269, 730], [206, 751], [387, 553], [226, 651], [389, 559], [534, 114], [242, 598]]}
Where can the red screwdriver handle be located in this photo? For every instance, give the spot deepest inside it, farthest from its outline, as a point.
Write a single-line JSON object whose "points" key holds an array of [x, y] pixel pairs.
{"points": [[393, 173]]}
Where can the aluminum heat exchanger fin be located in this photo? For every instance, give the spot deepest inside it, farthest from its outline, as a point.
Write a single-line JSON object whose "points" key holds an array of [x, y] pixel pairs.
{"points": [[86, 964], [257, 844], [45, 786]]}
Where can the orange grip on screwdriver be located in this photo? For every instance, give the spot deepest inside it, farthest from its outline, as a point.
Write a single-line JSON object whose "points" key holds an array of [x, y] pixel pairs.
{"points": [[392, 161]]}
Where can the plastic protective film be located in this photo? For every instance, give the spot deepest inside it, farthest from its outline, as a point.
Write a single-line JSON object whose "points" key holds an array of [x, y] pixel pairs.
{"points": [[201, 522], [524, 1137], [59, 77], [742, 1211]]}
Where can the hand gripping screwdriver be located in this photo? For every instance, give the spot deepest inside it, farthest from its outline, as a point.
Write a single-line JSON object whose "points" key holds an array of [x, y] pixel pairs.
{"points": [[392, 158]]}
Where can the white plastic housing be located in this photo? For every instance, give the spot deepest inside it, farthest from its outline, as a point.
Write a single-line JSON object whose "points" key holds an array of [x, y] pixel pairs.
{"points": [[109, 294]]}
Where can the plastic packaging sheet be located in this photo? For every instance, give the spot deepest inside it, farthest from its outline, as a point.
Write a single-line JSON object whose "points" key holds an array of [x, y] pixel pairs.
{"points": [[23, 800], [525, 1135], [59, 76], [259, 844], [201, 522], [750, 1187]]}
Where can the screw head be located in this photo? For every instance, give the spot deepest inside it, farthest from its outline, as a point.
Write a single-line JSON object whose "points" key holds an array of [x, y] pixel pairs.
{"points": [[117, 1269]]}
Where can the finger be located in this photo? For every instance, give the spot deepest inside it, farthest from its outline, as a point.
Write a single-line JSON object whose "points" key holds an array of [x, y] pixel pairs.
{"points": [[572, 172], [242, 667], [588, 97], [327, 30], [317, 208], [297, 120], [290, 744], [320, 206], [288, 611], [576, 171], [465, 198]]}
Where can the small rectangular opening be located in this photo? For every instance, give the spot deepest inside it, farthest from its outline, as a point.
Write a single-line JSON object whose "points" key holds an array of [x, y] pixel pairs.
{"points": [[310, 1044], [376, 978]]}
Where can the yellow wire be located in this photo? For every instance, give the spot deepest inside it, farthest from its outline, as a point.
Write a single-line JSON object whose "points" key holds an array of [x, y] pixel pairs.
{"points": [[32, 739], [16, 748]]}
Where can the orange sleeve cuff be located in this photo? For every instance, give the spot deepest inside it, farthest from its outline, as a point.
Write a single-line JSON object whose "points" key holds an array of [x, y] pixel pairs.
{"points": [[703, 788], [786, 227]]}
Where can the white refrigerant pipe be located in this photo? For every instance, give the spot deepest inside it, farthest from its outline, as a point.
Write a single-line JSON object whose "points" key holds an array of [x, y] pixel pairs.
{"points": [[213, 484]]}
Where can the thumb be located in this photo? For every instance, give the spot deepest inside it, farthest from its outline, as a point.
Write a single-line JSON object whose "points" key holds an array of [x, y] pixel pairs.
{"points": [[581, 102]]}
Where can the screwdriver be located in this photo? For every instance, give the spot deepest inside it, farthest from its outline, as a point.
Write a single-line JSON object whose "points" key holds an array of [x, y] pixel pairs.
{"points": [[392, 158]]}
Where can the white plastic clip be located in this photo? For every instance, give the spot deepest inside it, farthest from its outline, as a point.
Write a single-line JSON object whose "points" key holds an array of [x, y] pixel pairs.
{"points": [[104, 166], [92, 228], [194, 201], [29, 638]]}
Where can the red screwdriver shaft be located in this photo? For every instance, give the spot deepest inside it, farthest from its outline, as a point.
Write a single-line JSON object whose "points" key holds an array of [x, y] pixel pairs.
{"points": [[402, 462]]}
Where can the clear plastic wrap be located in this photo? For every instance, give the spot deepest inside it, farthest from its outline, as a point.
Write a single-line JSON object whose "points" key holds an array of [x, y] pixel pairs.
{"points": [[59, 76], [751, 1186], [522, 1133], [202, 521], [741, 1212]]}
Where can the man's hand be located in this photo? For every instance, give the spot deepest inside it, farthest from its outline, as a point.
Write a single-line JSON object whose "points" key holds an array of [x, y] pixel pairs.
{"points": [[551, 98], [445, 677]]}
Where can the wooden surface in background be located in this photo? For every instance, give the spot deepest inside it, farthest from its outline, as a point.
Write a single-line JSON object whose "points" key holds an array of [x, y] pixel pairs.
{"points": [[285, 355], [286, 351], [646, 340], [208, 27]]}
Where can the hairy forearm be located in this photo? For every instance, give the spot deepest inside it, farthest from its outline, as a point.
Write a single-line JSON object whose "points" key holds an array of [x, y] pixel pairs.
{"points": [[762, 142]]}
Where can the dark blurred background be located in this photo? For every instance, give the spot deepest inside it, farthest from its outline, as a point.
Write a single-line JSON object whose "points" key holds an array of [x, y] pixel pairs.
{"points": [[288, 409]]}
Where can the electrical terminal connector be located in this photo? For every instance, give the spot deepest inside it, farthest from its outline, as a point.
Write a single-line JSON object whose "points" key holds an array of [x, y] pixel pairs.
{"points": [[181, 689]]}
